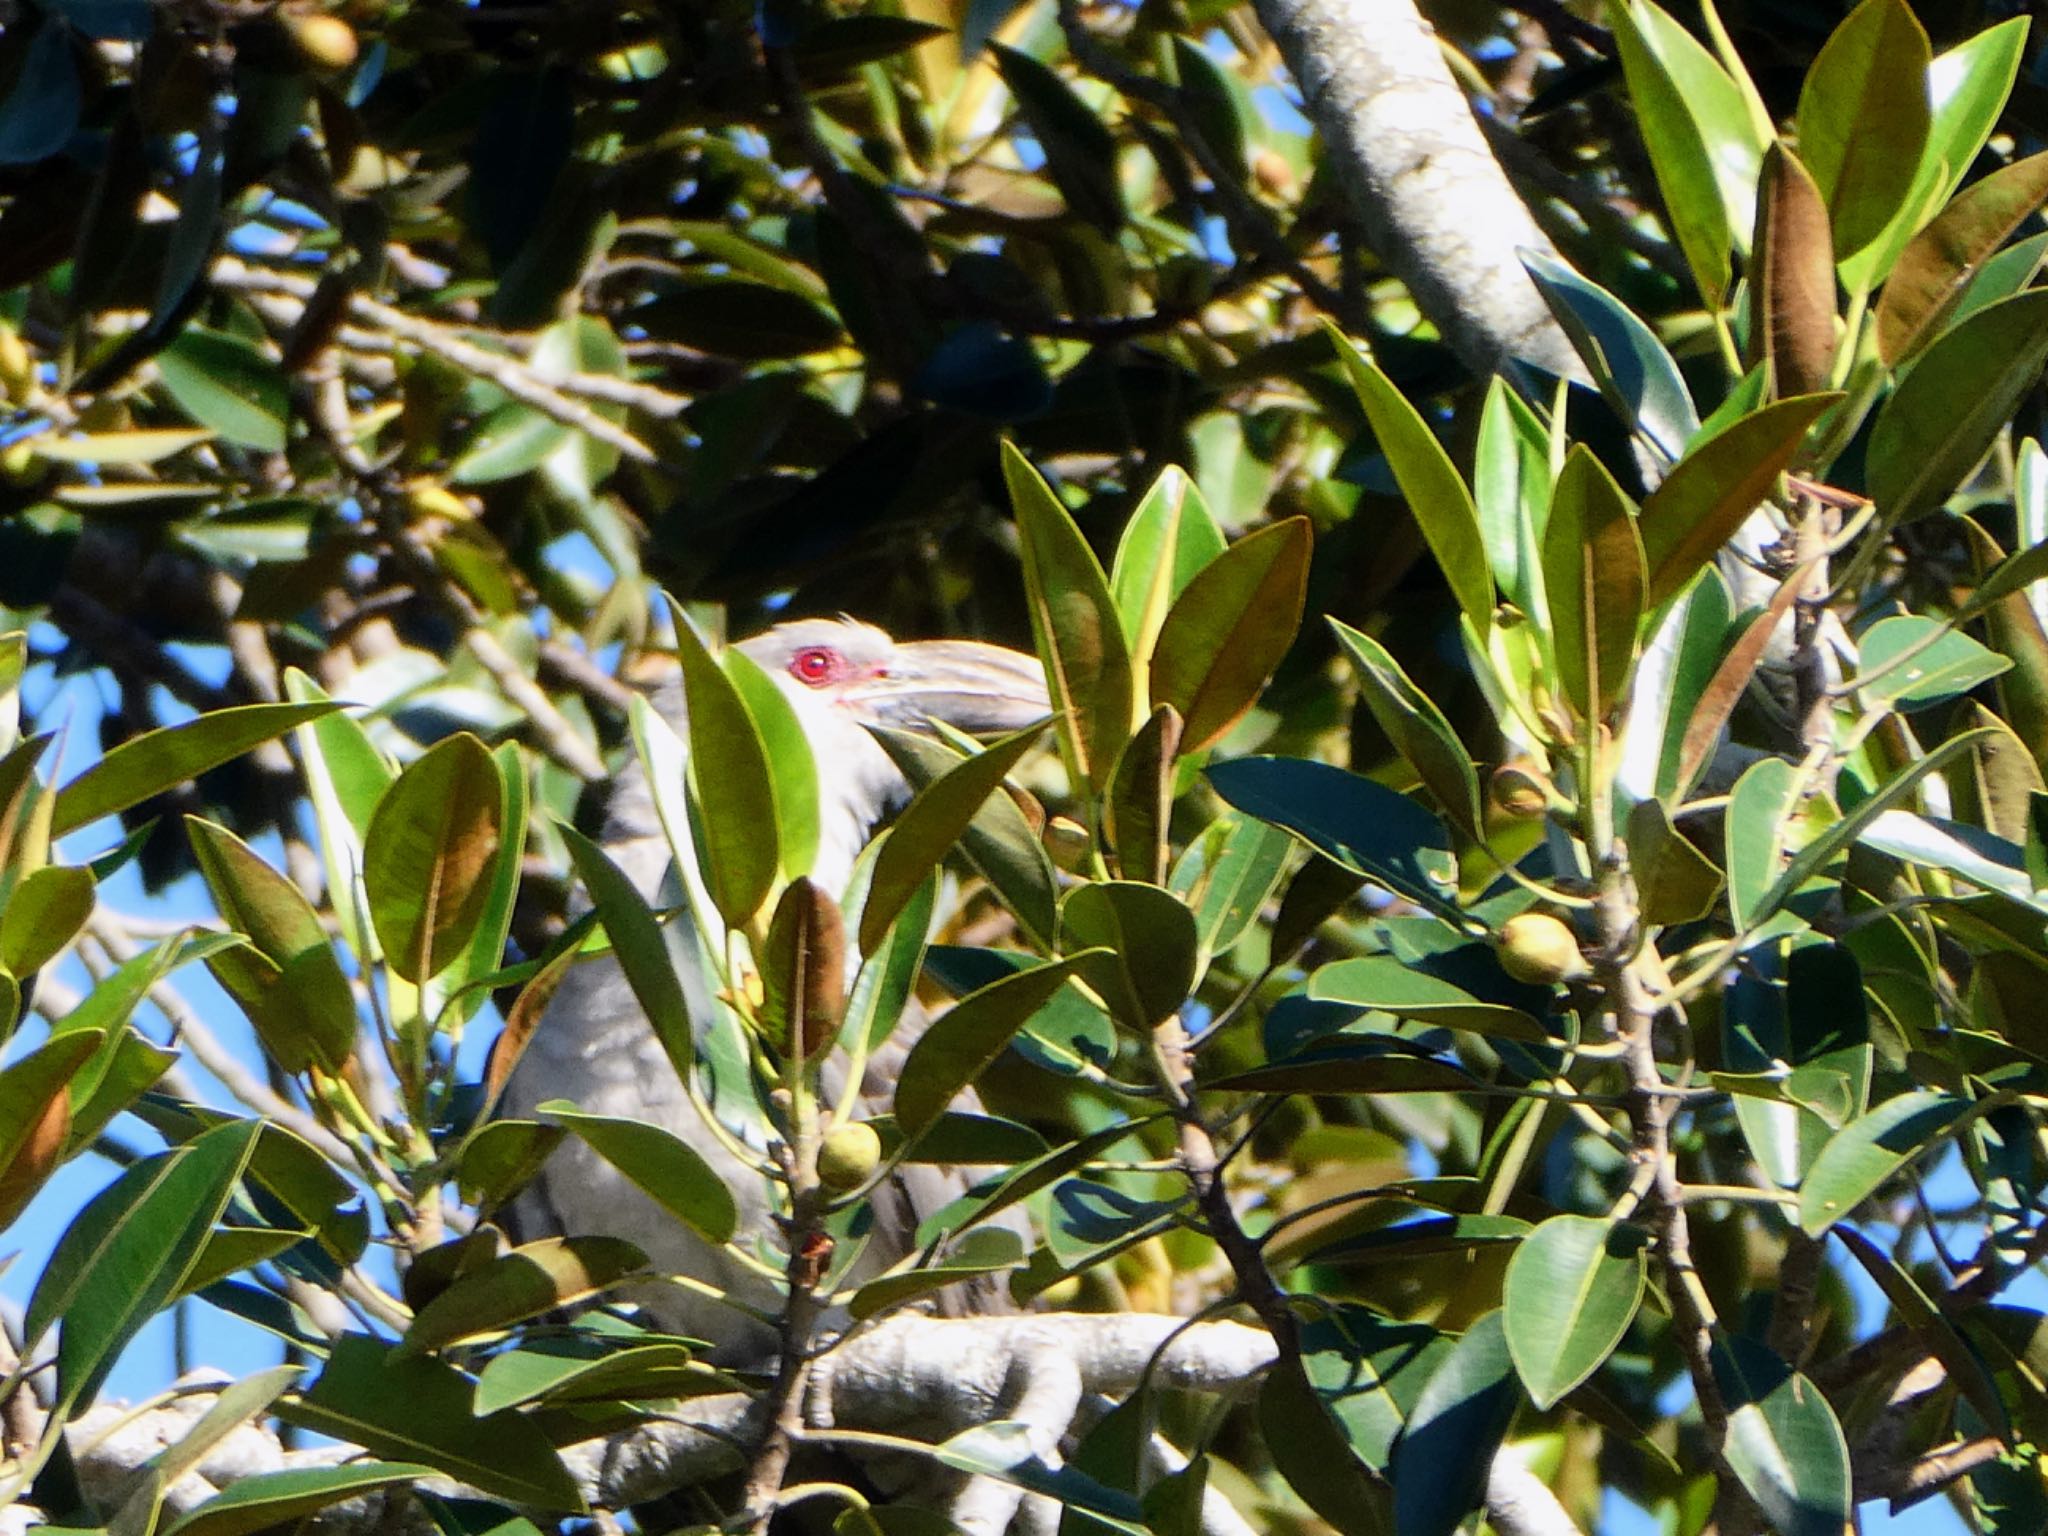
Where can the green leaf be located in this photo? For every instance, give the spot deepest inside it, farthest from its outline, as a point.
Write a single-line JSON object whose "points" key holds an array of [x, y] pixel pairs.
{"points": [[1368, 1371], [165, 758], [1966, 1368], [231, 1408], [1864, 118], [1312, 1453], [1388, 984], [1635, 373], [737, 833], [1593, 577], [1226, 876], [43, 914], [581, 1369], [962, 1043], [668, 1168], [1942, 663], [936, 818], [1938, 264], [1169, 538], [1759, 808], [419, 1409], [265, 1500], [1715, 488], [1675, 881], [736, 317], [1697, 129], [229, 386], [345, 778], [430, 847], [1149, 946], [532, 1279], [507, 443], [275, 916], [1080, 153], [1571, 1291], [1511, 494], [1458, 1423], [1783, 1443], [888, 974], [1959, 397], [1815, 856], [1073, 616], [1792, 320], [792, 768], [637, 943], [1434, 490], [803, 971], [987, 1251], [1417, 729], [1864, 1153], [127, 1253], [144, 445], [1229, 629], [1139, 810], [1364, 826]]}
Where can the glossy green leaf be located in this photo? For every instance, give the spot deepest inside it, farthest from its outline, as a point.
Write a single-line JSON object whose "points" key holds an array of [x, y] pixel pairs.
{"points": [[1227, 875], [1867, 1151], [1362, 825], [1456, 1426], [510, 441], [44, 913], [803, 970], [1388, 984], [888, 974], [1169, 538], [1759, 809], [970, 1035], [532, 1279], [579, 1369], [1954, 404], [1571, 1291], [428, 853], [345, 778], [987, 1251], [128, 1251], [1937, 266], [1229, 629], [1311, 1450], [501, 1157], [265, 1500], [936, 818], [1435, 491], [419, 1409], [738, 841], [1417, 729], [1139, 810], [1149, 945], [229, 386], [1864, 117], [1080, 154], [165, 758], [1368, 1371], [1635, 373], [637, 942], [1697, 131], [793, 770], [258, 902], [1594, 578], [1783, 1442], [1074, 617], [1511, 494], [668, 1168], [1938, 662], [1717, 487]]}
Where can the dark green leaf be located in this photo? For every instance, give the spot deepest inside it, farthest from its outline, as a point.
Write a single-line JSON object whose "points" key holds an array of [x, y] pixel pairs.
{"points": [[735, 317], [229, 385], [1080, 153], [1140, 805], [969, 1036], [263, 1501], [1073, 616], [41, 113], [1459, 1420], [637, 942], [1571, 1291], [1594, 580], [1634, 371], [668, 1168], [1417, 729], [803, 971], [165, 758], [530, 1280], [1149, 943], [1864, 118], [1783, 1443], [1866, 1152], [738, 844], [1229, 629]]}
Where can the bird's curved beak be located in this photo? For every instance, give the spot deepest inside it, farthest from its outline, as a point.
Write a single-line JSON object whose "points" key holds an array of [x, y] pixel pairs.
{"points": [[968, 684]]}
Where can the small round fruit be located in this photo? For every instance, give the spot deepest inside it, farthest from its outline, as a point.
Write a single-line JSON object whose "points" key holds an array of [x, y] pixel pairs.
{"points": [[849, 1157], [325, 42], [1539, 949]]}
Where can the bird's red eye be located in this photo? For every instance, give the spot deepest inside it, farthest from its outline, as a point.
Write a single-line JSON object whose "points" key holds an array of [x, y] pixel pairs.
{"points": [[816, 664]]}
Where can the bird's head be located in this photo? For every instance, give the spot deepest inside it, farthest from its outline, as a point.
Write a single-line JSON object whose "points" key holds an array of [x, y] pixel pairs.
{"points": [[860, 674]]}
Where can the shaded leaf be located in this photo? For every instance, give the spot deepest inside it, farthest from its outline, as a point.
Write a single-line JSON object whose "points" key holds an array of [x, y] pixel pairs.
{"points": [[530, 1280], [228, 386], [1594, 580], [965, 1039], [1459, 1420], [430, 846], [265, 1500], [1417, 729], [165, 758], [1792, 297], [1148, 943], [668, 1168], [1636, 375], [1571, 1291], [1783, 1443], [1229, 629]]}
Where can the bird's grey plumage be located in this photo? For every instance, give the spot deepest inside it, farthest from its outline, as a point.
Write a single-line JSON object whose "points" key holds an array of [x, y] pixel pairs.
{"points": [[594, 1045]]}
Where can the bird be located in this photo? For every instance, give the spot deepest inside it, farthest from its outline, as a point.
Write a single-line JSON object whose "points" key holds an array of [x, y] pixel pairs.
{"points": [[593, 1044]]}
